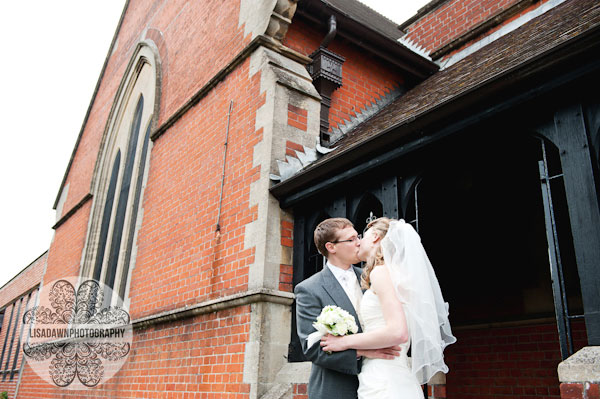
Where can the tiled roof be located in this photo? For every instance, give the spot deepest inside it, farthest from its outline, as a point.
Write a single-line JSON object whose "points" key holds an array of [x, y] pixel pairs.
{"points": [[533, 39]]}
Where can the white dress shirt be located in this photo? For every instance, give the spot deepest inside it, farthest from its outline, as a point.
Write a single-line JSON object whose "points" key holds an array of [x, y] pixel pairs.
{"points": [[349, 282]]}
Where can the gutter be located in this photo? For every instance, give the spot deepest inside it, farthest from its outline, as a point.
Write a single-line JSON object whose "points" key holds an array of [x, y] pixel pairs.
{"points": [[367, 38]]}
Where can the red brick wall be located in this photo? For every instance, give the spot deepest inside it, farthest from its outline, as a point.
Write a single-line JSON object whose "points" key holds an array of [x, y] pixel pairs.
{"points": [[291, 148], [286, 271], [177, 247], [199, 38], [10, 341], [495, 363], [454, 18], [297, 117], [436, 391], [24, 281], [299, 391], [180, 259], [574, 390], [365, 78], [199, 357], [10, 299], [64, 255]]}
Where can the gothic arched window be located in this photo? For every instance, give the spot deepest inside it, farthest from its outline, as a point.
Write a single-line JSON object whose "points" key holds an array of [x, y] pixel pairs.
{"points": [[369, 208], [119, 175]]}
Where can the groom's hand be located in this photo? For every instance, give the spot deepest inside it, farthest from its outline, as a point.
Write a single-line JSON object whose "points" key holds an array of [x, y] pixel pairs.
{"points": [[383, 353]]}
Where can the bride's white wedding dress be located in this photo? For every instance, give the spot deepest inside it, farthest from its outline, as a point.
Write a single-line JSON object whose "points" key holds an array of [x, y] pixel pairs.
{"points": [[380, 378]]}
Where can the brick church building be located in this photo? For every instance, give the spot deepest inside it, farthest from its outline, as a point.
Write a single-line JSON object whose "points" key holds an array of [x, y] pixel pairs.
{"points": [[221, 132]]}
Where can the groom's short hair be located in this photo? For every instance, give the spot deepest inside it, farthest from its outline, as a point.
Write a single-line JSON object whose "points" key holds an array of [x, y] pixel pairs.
{"points": [[327, 231]]}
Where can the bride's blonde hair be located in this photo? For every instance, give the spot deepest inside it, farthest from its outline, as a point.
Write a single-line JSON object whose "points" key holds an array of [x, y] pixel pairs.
{"points": [[379, 226]]}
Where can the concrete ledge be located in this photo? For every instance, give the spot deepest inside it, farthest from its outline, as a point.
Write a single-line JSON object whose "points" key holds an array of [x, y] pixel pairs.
{"points": [[215, 305], [583, 366], [279, 391], [294, 373]]}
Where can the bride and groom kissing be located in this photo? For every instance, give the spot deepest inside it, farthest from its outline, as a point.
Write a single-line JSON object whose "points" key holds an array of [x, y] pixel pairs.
{"points": [[396, 302]]}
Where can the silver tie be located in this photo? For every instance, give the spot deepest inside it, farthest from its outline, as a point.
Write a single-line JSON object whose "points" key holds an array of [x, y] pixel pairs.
{"points": [[355, 298]]}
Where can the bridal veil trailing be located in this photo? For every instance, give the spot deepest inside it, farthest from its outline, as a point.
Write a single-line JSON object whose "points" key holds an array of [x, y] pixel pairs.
{"points": [[418, 288]]}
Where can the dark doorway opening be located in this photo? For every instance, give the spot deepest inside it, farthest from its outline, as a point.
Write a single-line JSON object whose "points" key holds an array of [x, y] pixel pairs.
{"points": [[481, 217], [486, 225]]}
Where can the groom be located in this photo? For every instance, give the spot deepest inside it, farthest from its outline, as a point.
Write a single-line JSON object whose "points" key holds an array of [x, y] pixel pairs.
{"points": [[333, 375]]}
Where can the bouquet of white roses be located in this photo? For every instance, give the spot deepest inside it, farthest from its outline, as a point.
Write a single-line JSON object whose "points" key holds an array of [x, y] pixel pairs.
{"points": [[332, 320]]}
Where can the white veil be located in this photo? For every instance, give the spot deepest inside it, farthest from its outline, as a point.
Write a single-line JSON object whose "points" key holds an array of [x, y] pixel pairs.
{"points": [[418, 288]]}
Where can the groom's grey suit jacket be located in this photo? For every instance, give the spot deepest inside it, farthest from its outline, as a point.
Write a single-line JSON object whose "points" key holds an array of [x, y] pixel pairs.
{"points": [[334, 375]]}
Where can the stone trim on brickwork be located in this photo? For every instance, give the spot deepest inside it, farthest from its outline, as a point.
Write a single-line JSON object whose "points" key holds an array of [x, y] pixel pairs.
{"points": [[579, 375], [72, 211], [583, 366], [481, 28], [141, 79], [259, 41], [502, 31], [61, 198], [291, 374], [270, 18], [283, 81], [281, 18], [58, 211], [216, 305]]}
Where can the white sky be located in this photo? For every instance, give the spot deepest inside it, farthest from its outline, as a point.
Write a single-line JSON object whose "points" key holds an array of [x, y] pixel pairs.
{"points": [[52, 55]]}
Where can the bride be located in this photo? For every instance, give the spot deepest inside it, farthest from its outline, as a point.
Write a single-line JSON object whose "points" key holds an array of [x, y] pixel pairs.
{"points": [[403, 305]]}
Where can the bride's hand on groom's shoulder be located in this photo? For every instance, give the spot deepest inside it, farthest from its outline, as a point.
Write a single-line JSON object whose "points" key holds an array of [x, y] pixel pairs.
{"points": [[383, 353]]}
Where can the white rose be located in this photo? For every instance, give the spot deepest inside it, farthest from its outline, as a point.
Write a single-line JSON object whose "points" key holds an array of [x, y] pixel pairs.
{"points": [[339, 329]]}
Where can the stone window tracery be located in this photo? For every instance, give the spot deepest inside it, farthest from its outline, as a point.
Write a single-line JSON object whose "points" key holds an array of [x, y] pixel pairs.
{"points": [[119, 175]]}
